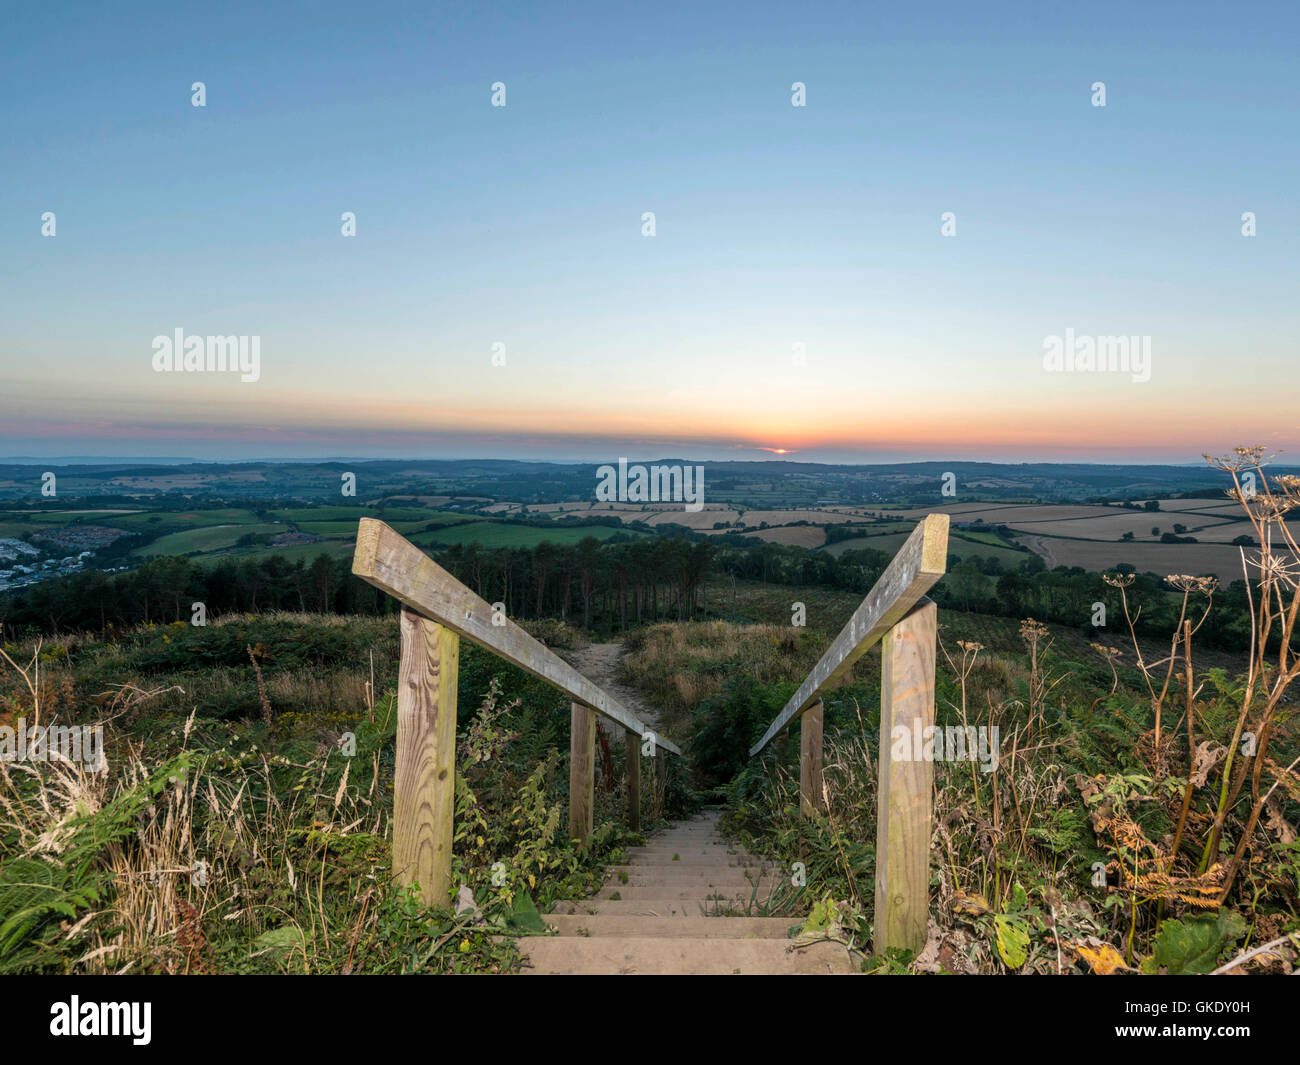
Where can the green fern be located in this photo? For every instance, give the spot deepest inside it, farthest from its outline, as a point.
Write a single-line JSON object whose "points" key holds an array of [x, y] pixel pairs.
{"points": [[37, 891]]}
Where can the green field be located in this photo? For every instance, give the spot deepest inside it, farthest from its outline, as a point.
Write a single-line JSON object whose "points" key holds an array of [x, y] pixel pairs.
{"points": [[173, 520], [306, 552], [334, 530], [355, 514], [210, 538], [888, 542], [963, 544], [30, 519], [974, 535], [500, 534]]}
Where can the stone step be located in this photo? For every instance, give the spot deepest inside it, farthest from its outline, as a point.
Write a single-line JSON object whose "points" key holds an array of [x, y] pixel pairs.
{"points": [[651, 955], [608, 924]]}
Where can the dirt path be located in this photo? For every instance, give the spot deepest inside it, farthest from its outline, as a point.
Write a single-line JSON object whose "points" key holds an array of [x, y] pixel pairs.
{"points": [[599, 662]]}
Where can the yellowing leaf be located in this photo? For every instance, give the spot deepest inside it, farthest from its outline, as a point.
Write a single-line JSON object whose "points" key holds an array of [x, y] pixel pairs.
{"points": [[1012, 940], [1102, 959], [976, 905]]}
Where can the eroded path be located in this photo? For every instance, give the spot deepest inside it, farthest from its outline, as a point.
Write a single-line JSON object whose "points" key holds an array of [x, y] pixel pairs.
{"points": [[599, 662]]}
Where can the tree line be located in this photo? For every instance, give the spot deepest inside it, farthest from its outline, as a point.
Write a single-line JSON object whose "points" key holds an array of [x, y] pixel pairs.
{"points": [[606, 588], [601, 586]]}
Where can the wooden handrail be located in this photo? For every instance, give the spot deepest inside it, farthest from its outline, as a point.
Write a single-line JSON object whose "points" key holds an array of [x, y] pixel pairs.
{"points": [[394, 565], [895, 614], [437, 611], [920, 562]]}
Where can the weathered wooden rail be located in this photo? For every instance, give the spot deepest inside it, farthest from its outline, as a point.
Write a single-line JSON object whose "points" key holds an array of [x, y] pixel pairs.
{"points": [[437, 611], [895, 614]]}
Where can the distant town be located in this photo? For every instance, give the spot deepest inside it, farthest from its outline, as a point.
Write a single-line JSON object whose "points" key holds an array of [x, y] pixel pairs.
{"points": [[36, 565]]}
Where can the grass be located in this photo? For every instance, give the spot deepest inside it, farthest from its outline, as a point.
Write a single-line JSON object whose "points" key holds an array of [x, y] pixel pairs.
{"points": [[235, 832]]}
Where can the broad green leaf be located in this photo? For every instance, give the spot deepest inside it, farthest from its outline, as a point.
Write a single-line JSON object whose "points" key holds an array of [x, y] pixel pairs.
{"points": [[1013, 940], [524, 918], [1193, 944]]}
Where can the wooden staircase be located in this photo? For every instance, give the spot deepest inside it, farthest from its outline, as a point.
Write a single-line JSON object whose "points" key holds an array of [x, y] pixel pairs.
{"points": [[677, 907]]}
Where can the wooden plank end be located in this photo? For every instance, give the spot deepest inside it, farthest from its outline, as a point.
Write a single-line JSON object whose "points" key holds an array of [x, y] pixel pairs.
{"points": [[369, 532], [934, 550]]}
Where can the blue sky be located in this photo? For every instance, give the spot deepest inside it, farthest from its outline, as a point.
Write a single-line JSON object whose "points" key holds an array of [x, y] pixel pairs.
{"points": [[776, 225]]}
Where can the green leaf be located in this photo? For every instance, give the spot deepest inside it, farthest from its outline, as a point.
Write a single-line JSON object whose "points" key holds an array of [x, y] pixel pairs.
{"points": [[1193, 944], [819, 919], [524, 918], [1013, 940]]}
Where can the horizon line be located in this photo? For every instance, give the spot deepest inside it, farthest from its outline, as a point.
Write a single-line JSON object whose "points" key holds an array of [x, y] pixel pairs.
{"points": [[101, 460]]}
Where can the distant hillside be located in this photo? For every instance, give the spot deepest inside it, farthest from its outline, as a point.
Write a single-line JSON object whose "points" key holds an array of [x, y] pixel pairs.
{"points": [[773, 483]]}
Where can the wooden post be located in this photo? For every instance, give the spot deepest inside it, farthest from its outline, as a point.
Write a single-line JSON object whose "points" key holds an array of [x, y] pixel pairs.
{"points": [[425, 782], [904, 817], [582, 770], [632, 756], [811, 800]]}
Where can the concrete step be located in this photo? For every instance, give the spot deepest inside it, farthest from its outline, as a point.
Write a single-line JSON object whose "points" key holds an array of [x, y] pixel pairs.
{"points": [[650, 955], [608, 924]]}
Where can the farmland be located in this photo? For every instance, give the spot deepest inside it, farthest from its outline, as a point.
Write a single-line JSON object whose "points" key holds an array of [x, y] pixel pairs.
{"points": [[1095, 518], [500, 534]]}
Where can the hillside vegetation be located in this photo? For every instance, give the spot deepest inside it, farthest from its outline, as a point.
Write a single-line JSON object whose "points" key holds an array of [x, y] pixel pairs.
{"points": [[243, 821], [1134, 811]]}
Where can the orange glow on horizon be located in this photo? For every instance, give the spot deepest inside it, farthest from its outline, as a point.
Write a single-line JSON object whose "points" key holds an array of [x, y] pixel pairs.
{"points": [[1124, 423]]}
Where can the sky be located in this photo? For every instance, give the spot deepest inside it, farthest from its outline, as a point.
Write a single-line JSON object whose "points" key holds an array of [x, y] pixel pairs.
{"points": [[500, 296]]}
